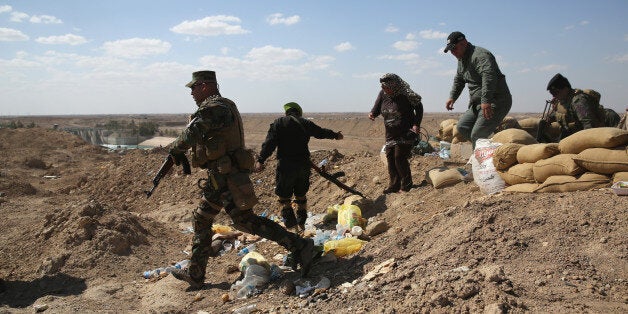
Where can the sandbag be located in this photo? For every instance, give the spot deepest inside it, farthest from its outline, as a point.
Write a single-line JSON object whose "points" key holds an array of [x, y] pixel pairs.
{"points": [[447, 133], [535, 152], [442, 176], [445, 130], [506, 155], [593, 138], [529, 123], [620, 176], [564, 183], [603, 160], [522, 188], [561, 164], [514, 136], [519, 173]]}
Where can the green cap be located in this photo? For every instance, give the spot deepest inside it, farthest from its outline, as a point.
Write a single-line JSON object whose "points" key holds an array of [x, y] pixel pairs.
{"points": [[293, 105], [202, 76]]}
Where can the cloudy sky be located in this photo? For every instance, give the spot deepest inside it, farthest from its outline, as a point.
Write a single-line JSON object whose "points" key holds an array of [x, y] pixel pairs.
{"points": [[93, 57]]}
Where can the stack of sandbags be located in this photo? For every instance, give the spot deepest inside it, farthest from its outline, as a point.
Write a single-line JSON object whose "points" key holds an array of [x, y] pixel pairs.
{"points": [[531, 125], [583, 161]]}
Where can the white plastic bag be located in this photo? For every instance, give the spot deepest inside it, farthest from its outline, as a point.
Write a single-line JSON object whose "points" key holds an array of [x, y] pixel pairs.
{"points": [[484, 173]]}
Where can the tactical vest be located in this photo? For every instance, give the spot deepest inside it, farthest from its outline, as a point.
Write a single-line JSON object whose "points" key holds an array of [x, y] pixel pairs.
{"points": [[566, 115], [222, 142]]}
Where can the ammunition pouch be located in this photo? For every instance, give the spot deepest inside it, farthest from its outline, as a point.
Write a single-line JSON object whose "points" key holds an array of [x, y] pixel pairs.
{"points": [[242, 191], [243, 158], [209, 150]]}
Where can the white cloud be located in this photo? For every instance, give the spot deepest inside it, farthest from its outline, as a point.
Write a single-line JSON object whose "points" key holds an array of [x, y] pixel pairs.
{"points": [[413, 60], [273, 54], [224, 50], [18, 16], [525, 70], [211, 26], [551, 68], [368, 76], [432, 34], [45, 19], [569, 27], [268, 63], [136, 47], [9, 34], [402, 57], [342, 47], [583, 23], [278, 18], [67, 39], [406, 45], [410, 36], [391, 29], [5, 8], [620, 58]]}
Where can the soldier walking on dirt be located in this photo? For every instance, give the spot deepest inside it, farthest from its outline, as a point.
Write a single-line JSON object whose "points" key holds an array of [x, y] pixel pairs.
{"points": [[215, 136], [290, 135], [402, 111], [489, 96]]}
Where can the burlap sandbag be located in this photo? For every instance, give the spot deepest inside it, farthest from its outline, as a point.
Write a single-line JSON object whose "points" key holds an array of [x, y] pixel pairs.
{"points": [[603, 160], [457, 136], [445, 131], [522, 188], [564, 183], [506, 155], [529, 123], [593, 138], [620, 176], [536, 152], [519, 173], [443, 176], [514, 136], [561, 164]]}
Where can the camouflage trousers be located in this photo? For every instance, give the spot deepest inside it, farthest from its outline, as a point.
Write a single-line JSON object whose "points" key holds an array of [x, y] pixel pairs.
{"points": [[217, 196]]}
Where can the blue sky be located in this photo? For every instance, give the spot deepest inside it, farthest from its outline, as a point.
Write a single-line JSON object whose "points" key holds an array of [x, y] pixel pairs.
{"points": [[118, 57]]}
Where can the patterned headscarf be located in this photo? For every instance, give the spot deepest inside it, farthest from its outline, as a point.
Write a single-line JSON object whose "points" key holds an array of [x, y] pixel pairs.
{"points": [[400, 87]]}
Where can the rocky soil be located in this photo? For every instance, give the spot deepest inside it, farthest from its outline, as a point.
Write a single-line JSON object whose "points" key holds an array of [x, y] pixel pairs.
{"points": [[78, 231]]}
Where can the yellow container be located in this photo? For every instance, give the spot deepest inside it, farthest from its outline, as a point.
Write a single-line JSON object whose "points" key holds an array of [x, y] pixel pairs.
{"points": [[344, 246], [253, 258], [217, 228], [350, 215]]}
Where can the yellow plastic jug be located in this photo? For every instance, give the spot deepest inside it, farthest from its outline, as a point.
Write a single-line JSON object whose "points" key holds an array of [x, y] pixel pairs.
{"points": [[350, 215], [344, 246]]}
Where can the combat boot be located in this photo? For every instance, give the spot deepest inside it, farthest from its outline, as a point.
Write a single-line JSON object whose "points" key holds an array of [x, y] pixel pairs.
{"points": [[289, 220], [301, 207], [184, 275]]}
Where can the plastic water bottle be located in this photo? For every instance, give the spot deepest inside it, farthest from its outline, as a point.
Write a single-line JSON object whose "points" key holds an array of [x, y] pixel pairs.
{"points": [[166, 270], [247, 249], [246, 291], [182, 264], [246, 309], [323, 163]]}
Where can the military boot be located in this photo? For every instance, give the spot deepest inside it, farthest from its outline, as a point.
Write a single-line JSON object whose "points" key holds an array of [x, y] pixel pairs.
{"points": [[289, 220], [301, 207], [184, 275]]}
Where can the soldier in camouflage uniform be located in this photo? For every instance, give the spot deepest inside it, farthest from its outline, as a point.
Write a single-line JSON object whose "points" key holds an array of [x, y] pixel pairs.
{"points": [[576, 109], [216, 138], [489, 96]]}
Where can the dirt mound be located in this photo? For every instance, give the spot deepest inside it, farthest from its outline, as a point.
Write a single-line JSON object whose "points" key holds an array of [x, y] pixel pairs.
{"points": [[78, 231]]}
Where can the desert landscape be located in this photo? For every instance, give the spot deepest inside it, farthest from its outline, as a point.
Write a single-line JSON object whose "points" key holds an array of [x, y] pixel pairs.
{"points": [[78, 232]]}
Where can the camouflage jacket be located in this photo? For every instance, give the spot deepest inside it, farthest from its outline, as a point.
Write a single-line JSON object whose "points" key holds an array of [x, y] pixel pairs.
{"points": [[215, 129], [479, 70], [579, 111]]}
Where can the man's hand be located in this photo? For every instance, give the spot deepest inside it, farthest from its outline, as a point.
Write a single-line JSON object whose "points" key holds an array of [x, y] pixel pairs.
{"points": [[415, 129], [449, 105], [487, 111], [258, 166], [371, 116]]}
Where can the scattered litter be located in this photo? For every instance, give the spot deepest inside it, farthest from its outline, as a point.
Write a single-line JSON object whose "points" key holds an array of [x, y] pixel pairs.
{"points": [[51, 177], [380, 269]]}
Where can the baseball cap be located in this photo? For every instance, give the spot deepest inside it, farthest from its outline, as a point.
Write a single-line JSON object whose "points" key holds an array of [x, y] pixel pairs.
{"points": [[453, 39], [202, 76]]}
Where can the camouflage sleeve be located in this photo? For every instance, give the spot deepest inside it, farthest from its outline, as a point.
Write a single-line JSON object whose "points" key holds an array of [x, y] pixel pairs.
{"points": [[205, 123], [583, 107]]}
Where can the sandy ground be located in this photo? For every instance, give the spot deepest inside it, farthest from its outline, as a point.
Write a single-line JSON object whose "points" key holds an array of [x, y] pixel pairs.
{"points": [[78, 231]]}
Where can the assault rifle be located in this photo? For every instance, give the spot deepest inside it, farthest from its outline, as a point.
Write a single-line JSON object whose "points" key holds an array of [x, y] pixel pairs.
{"points": [[541, 137], [165, 167]]}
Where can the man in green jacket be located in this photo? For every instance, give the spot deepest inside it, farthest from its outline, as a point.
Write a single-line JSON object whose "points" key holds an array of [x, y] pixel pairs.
{"points": [[489, 97]]}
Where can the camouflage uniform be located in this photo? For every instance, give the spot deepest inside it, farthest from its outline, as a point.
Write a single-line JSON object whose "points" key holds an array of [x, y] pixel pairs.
{"points": [[581, 111], [216, 137]]}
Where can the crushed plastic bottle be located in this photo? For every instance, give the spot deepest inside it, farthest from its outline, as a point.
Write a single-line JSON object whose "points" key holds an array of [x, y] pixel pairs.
{"points": [[246, 309], [323, 163], [247, 249], [165, 270]]}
